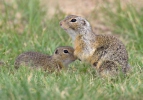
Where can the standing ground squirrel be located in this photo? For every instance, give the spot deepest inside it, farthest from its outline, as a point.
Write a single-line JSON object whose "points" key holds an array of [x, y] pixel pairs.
{"points": [[61, 58], [104, 52]]}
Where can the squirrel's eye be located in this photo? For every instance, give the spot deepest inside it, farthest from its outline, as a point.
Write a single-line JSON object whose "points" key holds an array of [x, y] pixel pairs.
{"points": [[66, 51], [73, 20]]}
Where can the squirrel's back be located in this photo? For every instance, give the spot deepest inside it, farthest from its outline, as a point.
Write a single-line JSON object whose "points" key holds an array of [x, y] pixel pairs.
{"points": [[32, 59]]}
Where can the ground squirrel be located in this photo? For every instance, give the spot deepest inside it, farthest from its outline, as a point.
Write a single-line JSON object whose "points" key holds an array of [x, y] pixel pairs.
{"points": [[104, 52], [61, 58]]}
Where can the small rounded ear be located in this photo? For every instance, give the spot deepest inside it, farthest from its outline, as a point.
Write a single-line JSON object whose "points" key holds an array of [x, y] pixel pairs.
{"points": [[56, 52], [83, 22]]}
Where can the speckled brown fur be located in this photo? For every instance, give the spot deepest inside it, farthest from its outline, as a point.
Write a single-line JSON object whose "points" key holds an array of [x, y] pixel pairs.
{"points": [[57, 61], [104, 52]]}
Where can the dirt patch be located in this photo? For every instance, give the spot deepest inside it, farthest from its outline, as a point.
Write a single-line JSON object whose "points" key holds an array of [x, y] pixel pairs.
{"points": [[82, 7], [77, 7]]}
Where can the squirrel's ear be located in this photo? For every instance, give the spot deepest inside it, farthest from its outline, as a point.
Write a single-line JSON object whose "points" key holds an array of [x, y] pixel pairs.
{"points": [[56, 52], [83, 22]]}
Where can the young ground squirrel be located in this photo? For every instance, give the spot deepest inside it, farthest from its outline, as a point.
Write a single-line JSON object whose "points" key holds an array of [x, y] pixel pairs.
{"points": [[104, 52], [61, 58]]}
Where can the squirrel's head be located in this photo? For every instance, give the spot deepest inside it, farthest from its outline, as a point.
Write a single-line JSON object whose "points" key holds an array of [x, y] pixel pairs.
{"points": [[75, 25], [65, 54]]}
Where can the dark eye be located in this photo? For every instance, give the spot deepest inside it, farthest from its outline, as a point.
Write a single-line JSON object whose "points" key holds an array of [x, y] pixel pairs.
{"points": [[66, 51], [73, 20]]}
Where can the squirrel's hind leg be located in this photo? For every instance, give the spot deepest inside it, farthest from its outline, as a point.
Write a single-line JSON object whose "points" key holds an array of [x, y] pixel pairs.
{"points": [[108, 68]]}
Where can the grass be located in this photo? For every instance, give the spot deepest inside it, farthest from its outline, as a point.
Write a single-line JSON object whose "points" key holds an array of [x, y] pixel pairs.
{"points": [[24, 27]]}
